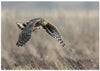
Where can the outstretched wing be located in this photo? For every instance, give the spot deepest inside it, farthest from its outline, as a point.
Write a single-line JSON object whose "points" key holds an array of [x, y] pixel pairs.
{"points": [[24, 36], [52, 31]]}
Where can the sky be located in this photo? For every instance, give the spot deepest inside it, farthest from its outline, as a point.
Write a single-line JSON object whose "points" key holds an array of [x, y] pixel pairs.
{"points": [[50, 5]]}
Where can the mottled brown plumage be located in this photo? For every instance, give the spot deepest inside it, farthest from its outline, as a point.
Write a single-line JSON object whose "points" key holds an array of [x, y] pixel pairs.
{"points": [[30, 26]]}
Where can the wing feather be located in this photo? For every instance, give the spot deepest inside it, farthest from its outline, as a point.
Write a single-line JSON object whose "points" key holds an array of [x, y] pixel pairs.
{"points": [[24, 36], [52, 31]]}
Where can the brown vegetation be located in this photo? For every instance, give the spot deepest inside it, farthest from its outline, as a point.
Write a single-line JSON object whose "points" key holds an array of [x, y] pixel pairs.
{"points": [[79, 29]]}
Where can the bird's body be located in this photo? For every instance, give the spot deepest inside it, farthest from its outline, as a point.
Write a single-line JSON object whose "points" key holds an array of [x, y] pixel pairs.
{"points": [[30, 26]]}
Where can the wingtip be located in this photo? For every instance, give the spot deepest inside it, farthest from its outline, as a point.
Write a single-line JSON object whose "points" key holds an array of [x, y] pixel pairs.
{"points": [[68, 48], [17, 44]]}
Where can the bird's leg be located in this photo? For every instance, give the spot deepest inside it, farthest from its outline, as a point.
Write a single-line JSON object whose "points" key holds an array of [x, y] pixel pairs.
{"points": [[39, 27]]}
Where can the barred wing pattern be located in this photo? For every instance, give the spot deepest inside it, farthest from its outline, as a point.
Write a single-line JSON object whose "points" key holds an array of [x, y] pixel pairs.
{"points": [[28, 28], [24, 36], [52, 31]]}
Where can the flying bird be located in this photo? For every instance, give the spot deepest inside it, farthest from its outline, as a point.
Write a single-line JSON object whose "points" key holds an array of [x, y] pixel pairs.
{"points": [[31, 25]]}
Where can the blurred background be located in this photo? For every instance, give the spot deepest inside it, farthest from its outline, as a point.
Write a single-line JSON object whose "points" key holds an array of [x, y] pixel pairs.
{"points": [[78, 23]]}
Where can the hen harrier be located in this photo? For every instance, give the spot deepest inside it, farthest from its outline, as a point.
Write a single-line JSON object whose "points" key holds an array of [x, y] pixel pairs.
{"points": [[30, 26]]}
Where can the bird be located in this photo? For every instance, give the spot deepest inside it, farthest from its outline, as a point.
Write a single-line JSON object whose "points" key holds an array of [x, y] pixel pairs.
{"points": [[30, 26]]}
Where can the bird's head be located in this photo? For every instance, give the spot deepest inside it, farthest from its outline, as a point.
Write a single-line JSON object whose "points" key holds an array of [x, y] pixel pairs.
{"points": [[43, 22]]}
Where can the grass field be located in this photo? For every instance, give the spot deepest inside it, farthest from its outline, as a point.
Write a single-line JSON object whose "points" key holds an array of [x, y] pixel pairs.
{"points": [[79, 29]]}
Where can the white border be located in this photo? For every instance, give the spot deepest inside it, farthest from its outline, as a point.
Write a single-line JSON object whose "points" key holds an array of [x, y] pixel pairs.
{"points": [[49, 1], [52, 0], [0, 35]]}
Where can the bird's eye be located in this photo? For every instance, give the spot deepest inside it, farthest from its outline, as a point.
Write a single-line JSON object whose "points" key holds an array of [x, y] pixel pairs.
{"points": [[45, 23]]}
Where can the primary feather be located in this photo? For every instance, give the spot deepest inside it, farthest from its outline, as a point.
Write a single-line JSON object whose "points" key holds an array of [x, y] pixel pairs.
{"points": [[24, 36], [52, 31]]}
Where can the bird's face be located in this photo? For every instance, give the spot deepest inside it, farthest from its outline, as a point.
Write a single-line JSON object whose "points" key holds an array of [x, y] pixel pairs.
{"points": [[43, 22]]}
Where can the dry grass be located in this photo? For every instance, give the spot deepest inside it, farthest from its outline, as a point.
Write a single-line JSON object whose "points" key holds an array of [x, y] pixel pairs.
{"points": [[79, 29]]}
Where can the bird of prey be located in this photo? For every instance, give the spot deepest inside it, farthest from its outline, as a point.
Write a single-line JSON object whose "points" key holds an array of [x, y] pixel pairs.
{"points": [[31, 25]]}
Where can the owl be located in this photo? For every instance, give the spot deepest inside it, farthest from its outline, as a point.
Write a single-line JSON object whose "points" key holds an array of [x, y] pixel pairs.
{"points": [[31, 25]]}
